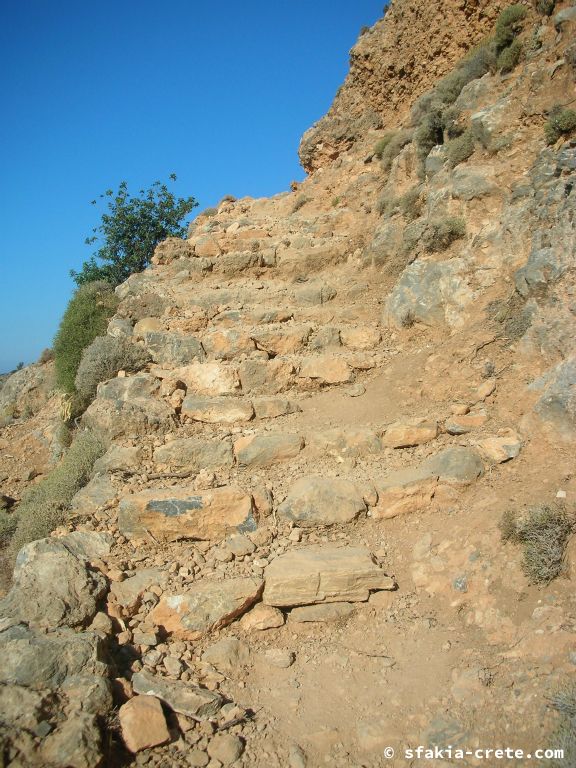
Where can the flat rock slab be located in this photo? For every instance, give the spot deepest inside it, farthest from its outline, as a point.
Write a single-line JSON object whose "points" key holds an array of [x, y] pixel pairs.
{"points": [[316, 501], [502, 448], [210, 379], [456, 466], [344, 442], [273, 407], [194, 454], [206, 606], [182, 513], [189, 700], [129, 591], [323, 574], [223, 410], [264, 450], [320, 613], [327, 370]]}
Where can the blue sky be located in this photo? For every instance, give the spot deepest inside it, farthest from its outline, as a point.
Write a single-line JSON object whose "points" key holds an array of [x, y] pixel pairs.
{"points": [[94, 93]]}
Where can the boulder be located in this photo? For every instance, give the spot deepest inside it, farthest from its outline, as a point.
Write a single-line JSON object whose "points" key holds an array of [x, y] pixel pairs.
{"points": [[266, 377], [282, 341], [183, 513], [206, 606], [455, 466], [209, 379], [557, 405], [222, 410], [117, 418], [76, 743], [184, 698], [228, 344], [314, 501], [360, 338], [266, 449], [54, 585], [505, 446], [173, 348], [194, 454], [323, 574]]}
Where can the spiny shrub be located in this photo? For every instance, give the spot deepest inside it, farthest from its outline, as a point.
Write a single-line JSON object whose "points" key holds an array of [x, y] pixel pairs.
{"points": [[386, 204], [44, 505], [412, 202], [393, 148], [545, 7], [299, 202], [564, 736], [543, 532], [441, 233], [460, 148], [429, 133], [450, 122], [208, 212], [509, 57], [382, 143], [8, 524], [561, 122], [508, 26], [86, 317], [103, 359]]}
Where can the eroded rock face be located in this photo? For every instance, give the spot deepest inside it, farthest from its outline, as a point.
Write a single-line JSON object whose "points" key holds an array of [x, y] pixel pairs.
{"points": [[206, 606], [183, 513], [323, 574], [54, 585]]}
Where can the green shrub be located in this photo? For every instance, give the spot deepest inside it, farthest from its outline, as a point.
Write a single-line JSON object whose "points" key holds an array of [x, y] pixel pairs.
{"points": [[386, 204], [561, 122], [382, 143], [509, 57], [209, 212], [545, 7], [508, 26], [103, 359], [450, 122], [86, 317], [441, 233], [393, 148], [544, 533], [8, 524], [429, 133], [411, 203], [460, 148], [45, 504]]}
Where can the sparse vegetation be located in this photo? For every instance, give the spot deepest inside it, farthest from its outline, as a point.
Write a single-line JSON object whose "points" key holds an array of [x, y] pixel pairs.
{"points": [[86, 317], [382, 143], [543, 532], [545, 7], [393, 147], [508, 26], [300, 202], [44, 505], [8, 524], [440, 234], [209, 212], [564, 736], [46, 356], [131, 230], [412, 202], [561, 122], [408, 319], [460, 148], [102, 360], [386, 204], [429, 133], [509, 57]]}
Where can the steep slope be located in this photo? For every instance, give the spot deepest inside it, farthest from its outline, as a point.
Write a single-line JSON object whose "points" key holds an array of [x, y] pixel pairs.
{"points": [[298, 515]]}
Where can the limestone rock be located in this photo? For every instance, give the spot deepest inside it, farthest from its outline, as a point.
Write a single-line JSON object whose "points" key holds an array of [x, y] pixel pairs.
{"points": [[76, 743], [460, 424], [455, 466], [224, 410], [323, 574], [351, 441], [327, 370], [143, 723], [173, 348], [183, 513], [360, 338], [95, 494], [205, 606], [190, 700], [228, 344], [262, 617], [227, 655], [119, 458], [279, 657], [320, 613], [404, 434], [266, 449], [315, 501], [194, 454], [53, 583], [226, 748], [209, 379], [128, 593], [404, 491], [272, 407], [502, 448]]}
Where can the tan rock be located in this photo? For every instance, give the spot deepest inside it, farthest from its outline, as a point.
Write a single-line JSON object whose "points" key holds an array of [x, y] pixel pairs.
{"points": [[316, 500], [262, 617], [227, 654], [266, 377], [210, 379], [404, 491], [485, 390], [184, 698], [207, 605], [283, 341], [273, 407], [360, 338], [323, 574], [226, 748], [143, 723], [461, 424], [223, 410], [344, 442], [184, 513], [147, 325], [321, 613], [266, 449], [327, 370], [207, 247], [128, 593], [227, 344], [505, 446], [404, 434]]}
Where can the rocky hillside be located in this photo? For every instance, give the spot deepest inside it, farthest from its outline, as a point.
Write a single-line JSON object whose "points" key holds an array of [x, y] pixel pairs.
{"points": [[292, 551]]}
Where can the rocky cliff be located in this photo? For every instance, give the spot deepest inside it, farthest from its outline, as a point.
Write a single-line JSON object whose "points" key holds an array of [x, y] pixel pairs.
{"points": [[291, 552]]}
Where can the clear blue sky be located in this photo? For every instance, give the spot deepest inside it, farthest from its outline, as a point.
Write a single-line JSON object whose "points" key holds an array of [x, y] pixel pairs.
{"points": [[94, 93]]}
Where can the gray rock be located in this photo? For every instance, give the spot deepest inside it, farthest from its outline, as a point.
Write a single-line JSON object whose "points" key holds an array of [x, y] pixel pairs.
{"points": [[119, 327], [488, 124], [563, 16], [435, 161], [472, 182], [116, 418], [46, 660], [320, 613], [128, 593], [314, 293], [118, 458], [458, 466], [21, 707], [557, 405], [53, 584], [314, 501], [189, 700], [172, 348], [88, 693], [95, 494], [194, 454], [76, 743], [227, 655], [544, 266], [386, 243]]}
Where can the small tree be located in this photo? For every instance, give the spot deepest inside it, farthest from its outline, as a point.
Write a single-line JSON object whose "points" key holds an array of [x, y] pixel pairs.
{"points": [[131, 230]]}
